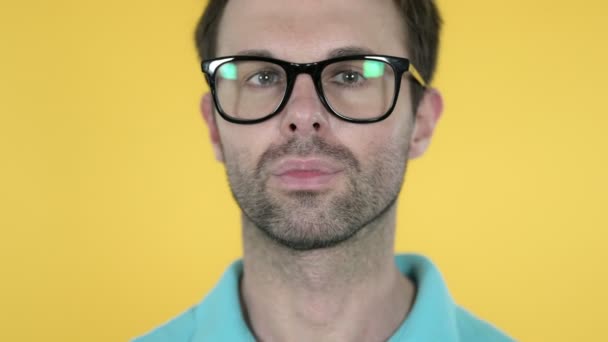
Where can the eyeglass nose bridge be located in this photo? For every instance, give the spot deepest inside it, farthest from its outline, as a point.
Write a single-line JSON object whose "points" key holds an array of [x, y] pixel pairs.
{"points": [[314, 71], [303, 68]]}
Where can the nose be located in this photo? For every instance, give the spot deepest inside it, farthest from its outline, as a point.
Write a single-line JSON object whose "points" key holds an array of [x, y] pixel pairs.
{"points": [[304, 113]]}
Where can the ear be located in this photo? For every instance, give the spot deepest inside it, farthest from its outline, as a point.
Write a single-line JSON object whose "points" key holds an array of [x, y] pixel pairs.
{"points": [[427, 115], [206, 107]]}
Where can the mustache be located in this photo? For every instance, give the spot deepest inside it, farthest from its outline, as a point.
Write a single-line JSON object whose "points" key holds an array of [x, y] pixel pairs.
{"points": [[305, 147]]}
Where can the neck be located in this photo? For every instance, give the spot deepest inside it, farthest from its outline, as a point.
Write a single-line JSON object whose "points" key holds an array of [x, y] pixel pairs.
{"points": [[352, 291]]}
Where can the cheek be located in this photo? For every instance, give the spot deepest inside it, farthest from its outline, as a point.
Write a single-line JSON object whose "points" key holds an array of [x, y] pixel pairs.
{"points": [[244, 144], [399, 126], [367, 141]]}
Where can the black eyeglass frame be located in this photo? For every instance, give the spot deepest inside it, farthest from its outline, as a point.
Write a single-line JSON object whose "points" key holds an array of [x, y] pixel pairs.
{"points": [[292, 70]]}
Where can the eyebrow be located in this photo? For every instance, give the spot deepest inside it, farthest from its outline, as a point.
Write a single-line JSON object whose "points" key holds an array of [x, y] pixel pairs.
{"points": [[349, 51], [256, 53], [339, 52]]}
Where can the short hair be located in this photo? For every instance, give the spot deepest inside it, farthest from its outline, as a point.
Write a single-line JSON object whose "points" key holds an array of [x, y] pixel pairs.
{"points": [[421, 21]]}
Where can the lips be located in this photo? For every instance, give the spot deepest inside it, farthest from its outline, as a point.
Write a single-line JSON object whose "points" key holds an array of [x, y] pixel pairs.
{"points": [[304, 165], [305, 173]]}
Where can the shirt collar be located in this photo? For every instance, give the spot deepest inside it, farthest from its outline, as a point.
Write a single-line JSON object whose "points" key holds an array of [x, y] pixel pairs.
{"points": [[433, 315]]}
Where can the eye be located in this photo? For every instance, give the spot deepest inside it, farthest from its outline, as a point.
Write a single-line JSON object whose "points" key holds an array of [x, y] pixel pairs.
{"points": [[264, 78], [348, 78]]}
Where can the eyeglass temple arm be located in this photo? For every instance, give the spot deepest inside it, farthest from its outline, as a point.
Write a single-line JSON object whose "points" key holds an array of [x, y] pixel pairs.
{"points": [[414, 72]]}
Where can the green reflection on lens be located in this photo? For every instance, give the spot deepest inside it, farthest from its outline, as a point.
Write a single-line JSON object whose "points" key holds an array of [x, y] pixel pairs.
{"points": [[373, 69], [229, 71]]}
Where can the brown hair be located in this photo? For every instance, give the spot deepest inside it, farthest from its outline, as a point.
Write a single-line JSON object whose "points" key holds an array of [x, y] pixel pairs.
{"points": [[422, 23]]}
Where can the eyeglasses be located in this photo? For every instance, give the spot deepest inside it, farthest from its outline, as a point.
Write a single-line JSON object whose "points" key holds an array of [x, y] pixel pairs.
{"points": [[358, 89]]}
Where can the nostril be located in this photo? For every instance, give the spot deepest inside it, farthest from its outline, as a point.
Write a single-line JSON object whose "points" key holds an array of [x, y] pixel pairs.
{"points": [[316, 126], [292, 127]]}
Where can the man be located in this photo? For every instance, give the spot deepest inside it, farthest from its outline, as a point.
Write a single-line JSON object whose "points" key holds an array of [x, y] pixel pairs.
{"points": [[316, 154]]}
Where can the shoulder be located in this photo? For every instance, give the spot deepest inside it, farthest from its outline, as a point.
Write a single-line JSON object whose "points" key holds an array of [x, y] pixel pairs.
{"points": [[178, 329], [216, 318], [472, 328]]}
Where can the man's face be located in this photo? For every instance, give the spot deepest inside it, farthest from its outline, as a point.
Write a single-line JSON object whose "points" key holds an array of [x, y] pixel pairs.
{"points": [[305, 177]]}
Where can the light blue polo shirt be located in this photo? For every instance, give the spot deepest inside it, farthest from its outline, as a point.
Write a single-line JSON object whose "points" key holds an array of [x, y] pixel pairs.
{"points": [[433, 317]]}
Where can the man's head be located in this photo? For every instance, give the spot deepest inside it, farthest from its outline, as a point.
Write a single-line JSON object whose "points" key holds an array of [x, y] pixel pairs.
{"points": [[305, 177]]}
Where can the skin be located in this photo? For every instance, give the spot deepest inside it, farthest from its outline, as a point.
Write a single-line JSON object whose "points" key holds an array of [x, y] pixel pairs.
{"points": [[352, 290]]}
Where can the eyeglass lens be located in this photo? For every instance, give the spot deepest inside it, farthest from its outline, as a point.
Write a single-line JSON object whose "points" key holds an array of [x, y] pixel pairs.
{"points": [[358, 89]]}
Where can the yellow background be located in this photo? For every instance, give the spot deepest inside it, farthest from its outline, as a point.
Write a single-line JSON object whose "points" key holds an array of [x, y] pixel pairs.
{"points": [[115, 216]]}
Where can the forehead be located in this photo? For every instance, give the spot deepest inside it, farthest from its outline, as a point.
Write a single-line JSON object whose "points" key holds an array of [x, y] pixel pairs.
{"points": [[306, 31]]}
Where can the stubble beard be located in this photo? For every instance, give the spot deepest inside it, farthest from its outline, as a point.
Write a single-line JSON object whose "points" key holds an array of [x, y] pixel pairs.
{"points": [[309, 220]]}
